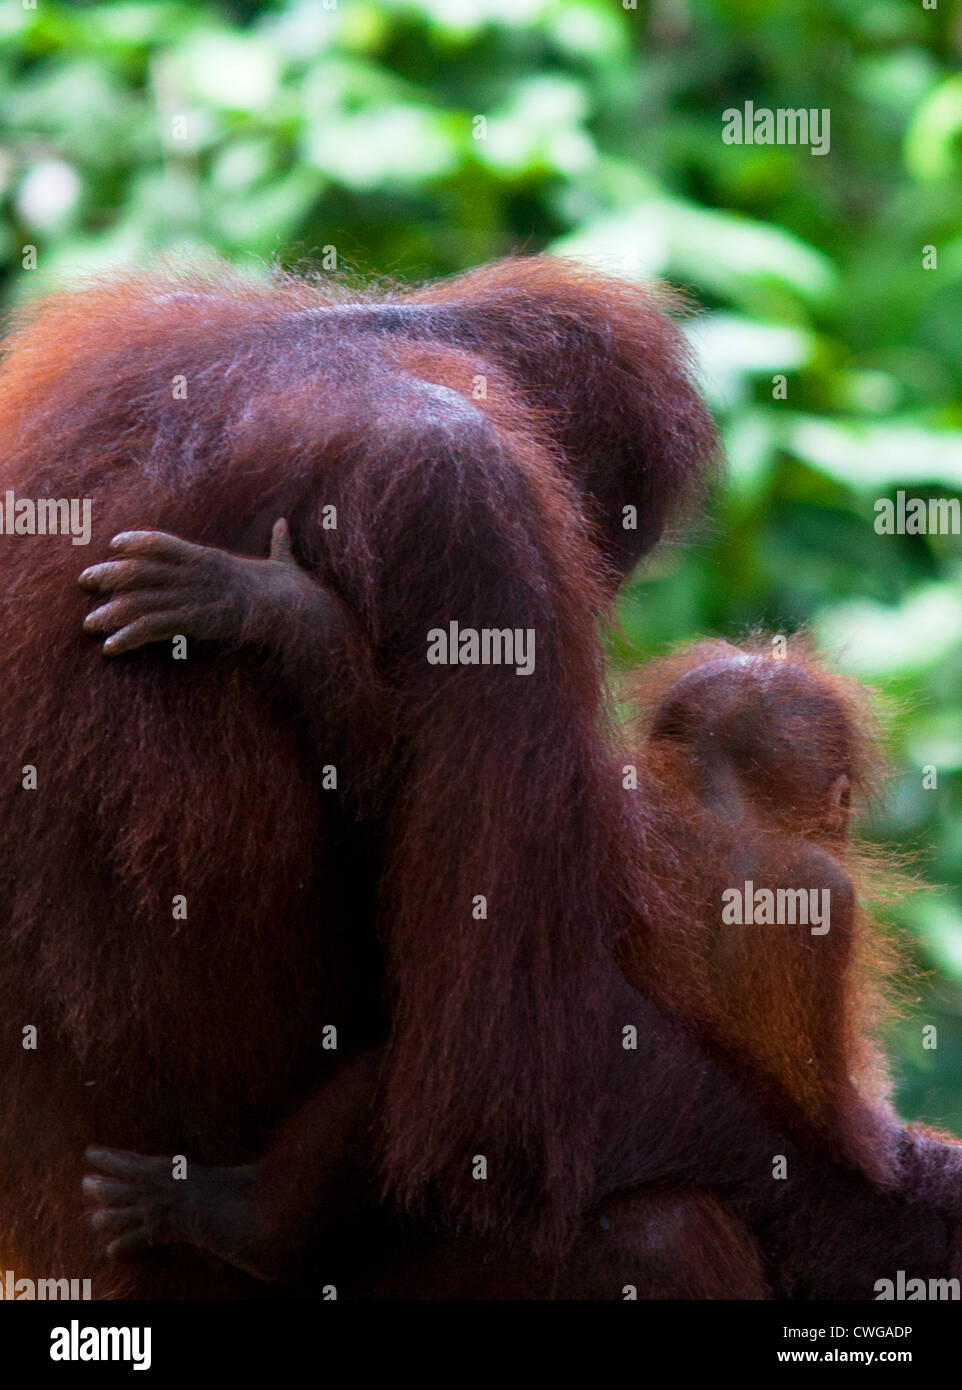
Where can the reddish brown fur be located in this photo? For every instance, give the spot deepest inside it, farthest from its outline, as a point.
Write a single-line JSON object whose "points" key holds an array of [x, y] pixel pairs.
{"points": [[740, 751], [158, 778], [786, 729]]}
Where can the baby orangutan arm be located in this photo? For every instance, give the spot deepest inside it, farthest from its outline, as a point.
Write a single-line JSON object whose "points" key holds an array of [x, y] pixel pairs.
{"points": [[266, 1217], [163, 587]]}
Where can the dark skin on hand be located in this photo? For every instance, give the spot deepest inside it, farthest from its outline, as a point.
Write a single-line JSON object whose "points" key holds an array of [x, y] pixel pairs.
{"points": [[162, 587]]}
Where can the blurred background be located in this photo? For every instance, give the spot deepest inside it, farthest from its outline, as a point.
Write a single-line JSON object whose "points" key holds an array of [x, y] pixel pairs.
{"points": [[308, 132]]}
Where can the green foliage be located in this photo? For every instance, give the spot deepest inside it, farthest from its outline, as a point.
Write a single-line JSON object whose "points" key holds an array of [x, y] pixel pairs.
{"points": [[275, 131]]}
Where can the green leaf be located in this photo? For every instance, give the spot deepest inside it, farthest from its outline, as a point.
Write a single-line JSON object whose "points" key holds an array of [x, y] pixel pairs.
{"points": [[875, 640], [875, 455]]}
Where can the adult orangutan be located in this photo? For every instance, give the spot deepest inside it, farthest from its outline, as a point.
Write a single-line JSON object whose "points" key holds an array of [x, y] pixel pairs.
{"points": [[306, 776]]}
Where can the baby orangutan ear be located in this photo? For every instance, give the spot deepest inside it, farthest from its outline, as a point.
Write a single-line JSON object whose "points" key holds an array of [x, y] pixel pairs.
{"points": [[839, 805]]}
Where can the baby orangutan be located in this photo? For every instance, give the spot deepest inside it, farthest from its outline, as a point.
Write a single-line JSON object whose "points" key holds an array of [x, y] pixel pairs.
{"points": [[751, 764]]}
